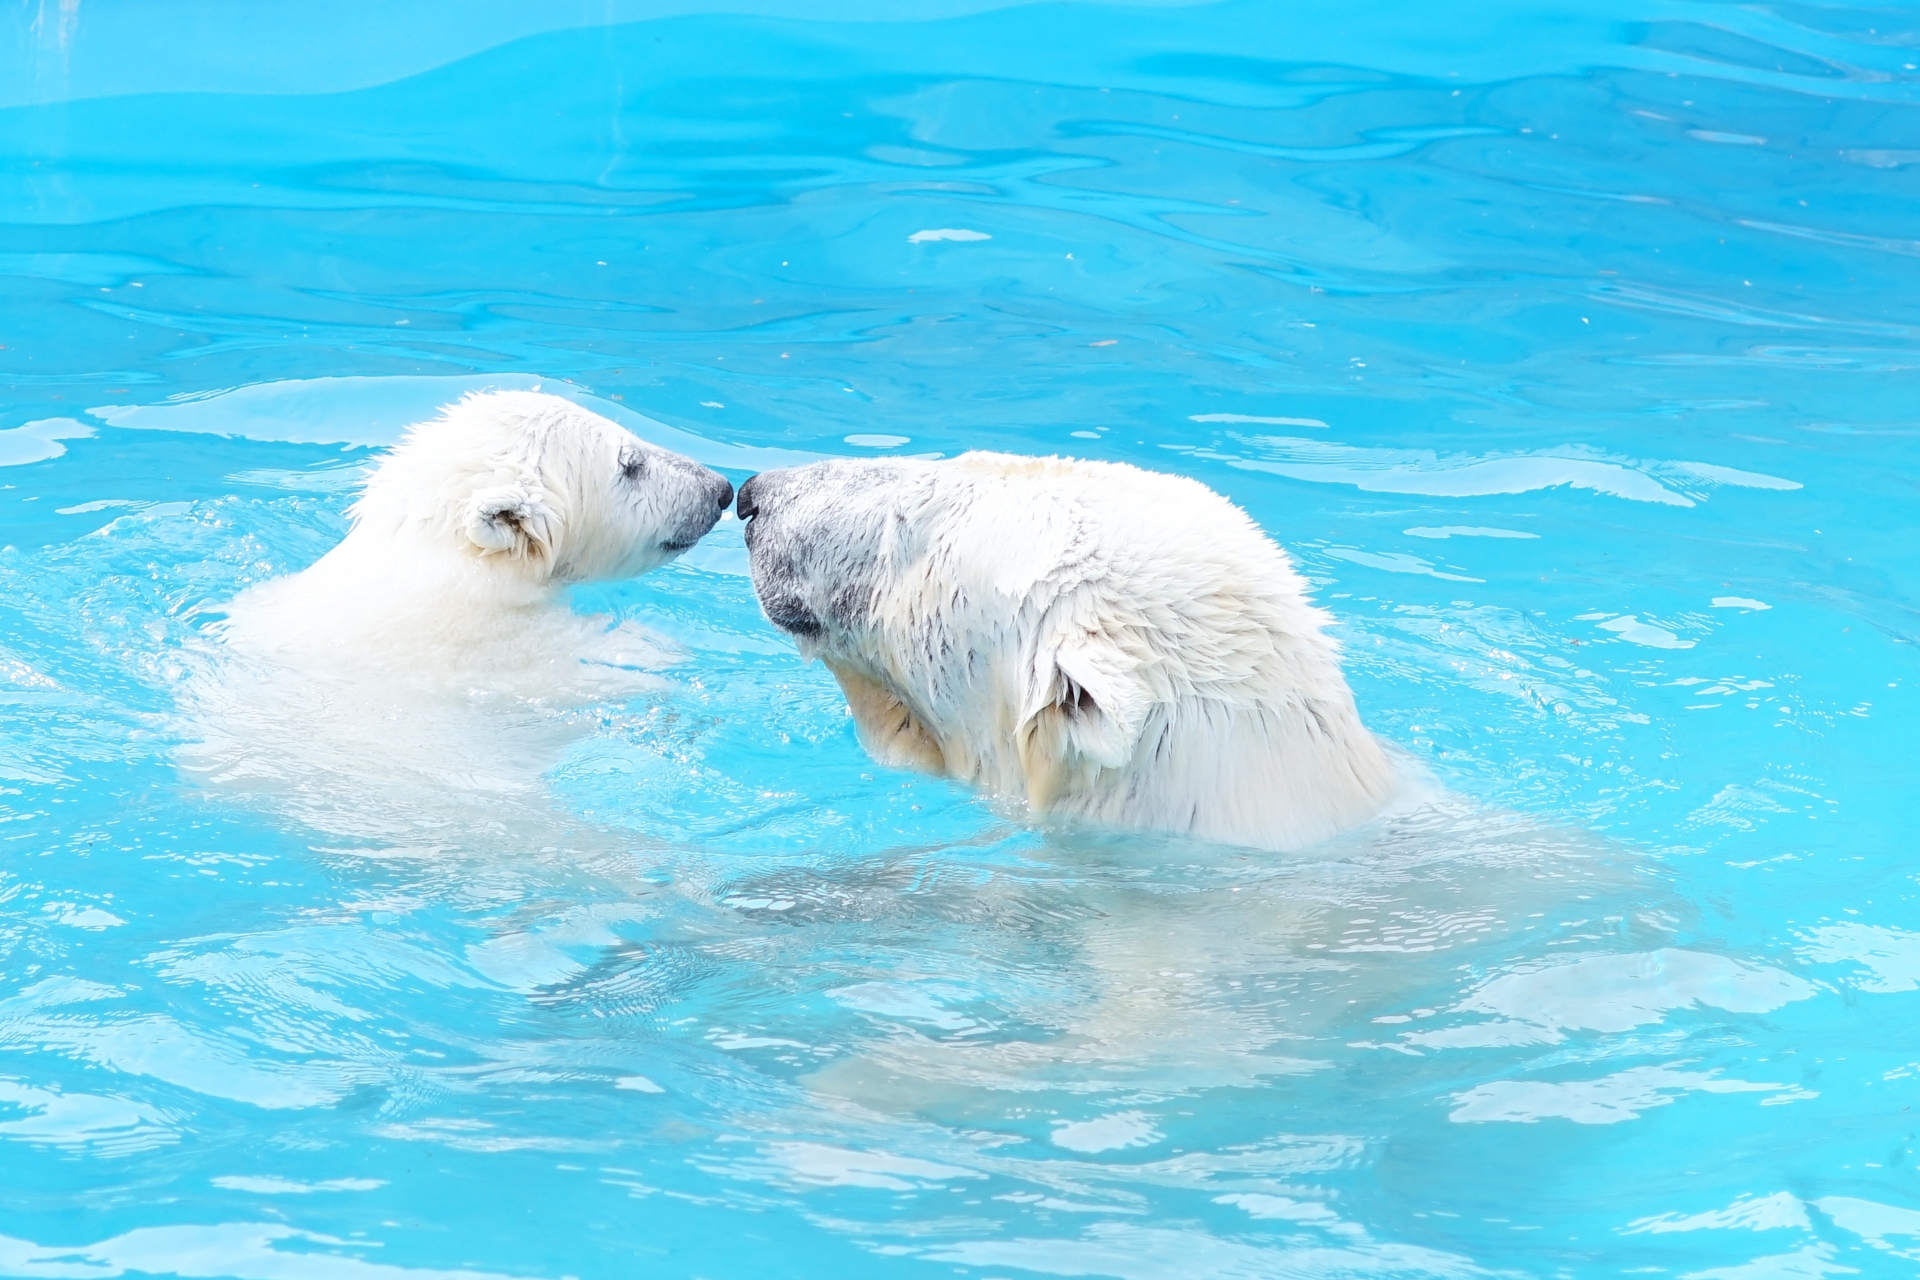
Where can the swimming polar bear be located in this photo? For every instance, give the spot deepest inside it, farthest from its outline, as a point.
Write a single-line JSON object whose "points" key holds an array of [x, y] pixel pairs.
{"points": [[429, 660], [471, 527], [1104, 642]]}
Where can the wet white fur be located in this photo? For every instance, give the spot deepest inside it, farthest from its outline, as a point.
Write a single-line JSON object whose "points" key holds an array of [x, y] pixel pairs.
{"points": [[421, 672], [1101, 641], [465, 536]]}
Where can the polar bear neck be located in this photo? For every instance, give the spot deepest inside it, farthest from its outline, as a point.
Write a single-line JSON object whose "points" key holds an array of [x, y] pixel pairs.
{"points": [[397, 599], [1277, 777], [1274, 756], [1248, 734], [1277, 771], [392, 567]]}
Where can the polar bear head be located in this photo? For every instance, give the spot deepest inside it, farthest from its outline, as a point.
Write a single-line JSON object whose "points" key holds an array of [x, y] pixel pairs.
{"points": [[537, 490], [1090, 637]]}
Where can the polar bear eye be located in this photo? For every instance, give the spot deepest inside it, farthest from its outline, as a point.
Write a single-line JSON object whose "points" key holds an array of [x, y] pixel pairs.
{"points": [[633, 466]]}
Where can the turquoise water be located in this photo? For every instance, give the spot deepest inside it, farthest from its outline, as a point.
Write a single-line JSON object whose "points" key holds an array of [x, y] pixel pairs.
{"points": [[1572, 349]]}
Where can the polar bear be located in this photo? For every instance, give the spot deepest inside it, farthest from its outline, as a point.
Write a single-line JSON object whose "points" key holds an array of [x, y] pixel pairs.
{"points": [[464, 537], [1101, 641], [426, 669]]}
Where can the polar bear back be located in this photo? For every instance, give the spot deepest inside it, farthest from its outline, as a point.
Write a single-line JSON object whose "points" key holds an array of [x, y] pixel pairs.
{"points": [[1234, 720]]}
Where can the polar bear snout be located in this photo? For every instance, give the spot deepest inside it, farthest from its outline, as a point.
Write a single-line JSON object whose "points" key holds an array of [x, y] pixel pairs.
{"points": [[776, 555], [712, 495], [748, 508], [816, 536]]}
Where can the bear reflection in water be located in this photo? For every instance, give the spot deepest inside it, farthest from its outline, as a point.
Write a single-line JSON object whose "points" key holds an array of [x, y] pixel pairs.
{"points": [[1099, 641], [431, 646], [1107, 965]]}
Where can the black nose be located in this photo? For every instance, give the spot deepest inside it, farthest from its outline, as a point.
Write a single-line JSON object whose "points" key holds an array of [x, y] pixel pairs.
{"points": [[724, 495], [746, 508]]}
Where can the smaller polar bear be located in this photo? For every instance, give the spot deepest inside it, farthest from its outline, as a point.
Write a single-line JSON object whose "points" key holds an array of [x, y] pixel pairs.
{"points": [[466, 534], [1102, 641], [429, 661]]}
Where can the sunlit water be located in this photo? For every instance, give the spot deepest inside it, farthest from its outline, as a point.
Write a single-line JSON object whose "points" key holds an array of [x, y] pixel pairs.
{"points": [[1572, 350]]}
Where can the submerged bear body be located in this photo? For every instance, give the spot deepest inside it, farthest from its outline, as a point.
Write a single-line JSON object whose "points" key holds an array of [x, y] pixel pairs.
{"points": [[1103, 642]]}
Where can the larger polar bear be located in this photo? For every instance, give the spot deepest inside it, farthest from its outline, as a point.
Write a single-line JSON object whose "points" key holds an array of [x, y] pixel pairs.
{"points": [[1102, 641]]}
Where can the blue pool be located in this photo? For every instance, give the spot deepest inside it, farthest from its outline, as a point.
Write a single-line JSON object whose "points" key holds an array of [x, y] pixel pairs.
{"points": [[1572, 348]]}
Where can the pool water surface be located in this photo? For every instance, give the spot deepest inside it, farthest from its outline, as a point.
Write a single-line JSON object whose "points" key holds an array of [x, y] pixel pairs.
{"points": [[1570, 348]]}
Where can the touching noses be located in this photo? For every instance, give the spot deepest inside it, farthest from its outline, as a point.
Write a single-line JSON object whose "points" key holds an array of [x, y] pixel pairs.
{"points": [[722, 490], [747, 508]]}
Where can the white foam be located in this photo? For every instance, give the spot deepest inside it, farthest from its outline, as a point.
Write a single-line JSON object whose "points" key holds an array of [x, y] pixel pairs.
{"points": [[1736, 477], [907, 1002], [946, 233], [1613, 993], [819, 1165], [638, 1084], [1889, 956], [1282, 1208], [1395, 562], [1113, 1132], [270, 1186], [1634, 631], [1748, 1213], [76, 1121], [1464, 531], [234, 1250], [1425, 472], [39, 441], [1871, 1220], [103, 504], [1130, 1252], [1608, 1100], [1246, 417]]}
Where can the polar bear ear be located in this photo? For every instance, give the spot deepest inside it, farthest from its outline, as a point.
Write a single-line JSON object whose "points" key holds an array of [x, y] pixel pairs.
{"points": [[509, 519], [1086, 707]]}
